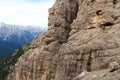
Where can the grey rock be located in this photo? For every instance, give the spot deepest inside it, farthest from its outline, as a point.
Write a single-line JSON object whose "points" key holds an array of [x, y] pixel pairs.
{"points": [[83, 35]]}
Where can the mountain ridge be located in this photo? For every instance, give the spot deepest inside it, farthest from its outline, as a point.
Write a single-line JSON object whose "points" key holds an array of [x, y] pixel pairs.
{"points": [[83, 38], [15, 36]]}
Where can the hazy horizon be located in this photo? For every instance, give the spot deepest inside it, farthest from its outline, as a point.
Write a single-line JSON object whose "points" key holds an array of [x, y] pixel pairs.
{"points": [[25, 12]]}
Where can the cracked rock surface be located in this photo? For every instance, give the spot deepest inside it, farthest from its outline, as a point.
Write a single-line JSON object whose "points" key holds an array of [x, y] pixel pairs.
{"points": [[83, 35]]}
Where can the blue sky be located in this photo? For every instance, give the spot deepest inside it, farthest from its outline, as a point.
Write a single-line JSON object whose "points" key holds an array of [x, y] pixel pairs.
{"points": [[25, 12]]}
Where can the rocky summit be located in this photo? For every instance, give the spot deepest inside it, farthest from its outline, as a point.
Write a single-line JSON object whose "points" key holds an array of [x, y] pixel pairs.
{"points": [[82, 43]]}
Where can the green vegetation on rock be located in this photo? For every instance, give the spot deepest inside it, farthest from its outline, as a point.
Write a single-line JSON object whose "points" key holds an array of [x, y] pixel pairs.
{"points": [[7, 63]]}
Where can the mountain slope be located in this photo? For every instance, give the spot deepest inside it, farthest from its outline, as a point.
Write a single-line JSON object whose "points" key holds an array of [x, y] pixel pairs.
{"points": [[14, 36], [83, 35], [7, 63]]}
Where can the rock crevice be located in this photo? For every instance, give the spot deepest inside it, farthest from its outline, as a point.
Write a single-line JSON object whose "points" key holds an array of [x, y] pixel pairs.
{"points": [[83, 35]]}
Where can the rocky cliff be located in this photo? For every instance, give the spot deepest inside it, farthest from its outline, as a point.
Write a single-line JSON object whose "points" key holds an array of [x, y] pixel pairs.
{"points": [[83, 35]]}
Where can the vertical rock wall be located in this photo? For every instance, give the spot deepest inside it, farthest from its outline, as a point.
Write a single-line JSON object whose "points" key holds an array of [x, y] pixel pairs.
{"points": [[82, 35]]}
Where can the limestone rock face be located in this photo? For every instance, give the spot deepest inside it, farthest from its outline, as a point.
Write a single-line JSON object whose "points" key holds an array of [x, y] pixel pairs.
{"points": [[83, 35]]}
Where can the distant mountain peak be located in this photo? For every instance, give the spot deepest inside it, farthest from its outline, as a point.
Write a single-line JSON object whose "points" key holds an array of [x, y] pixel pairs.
{"points": [[14, 36]]}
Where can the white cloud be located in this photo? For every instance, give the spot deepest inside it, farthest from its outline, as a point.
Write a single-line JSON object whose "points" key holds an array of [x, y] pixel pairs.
{"points": [[24, 13]]}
